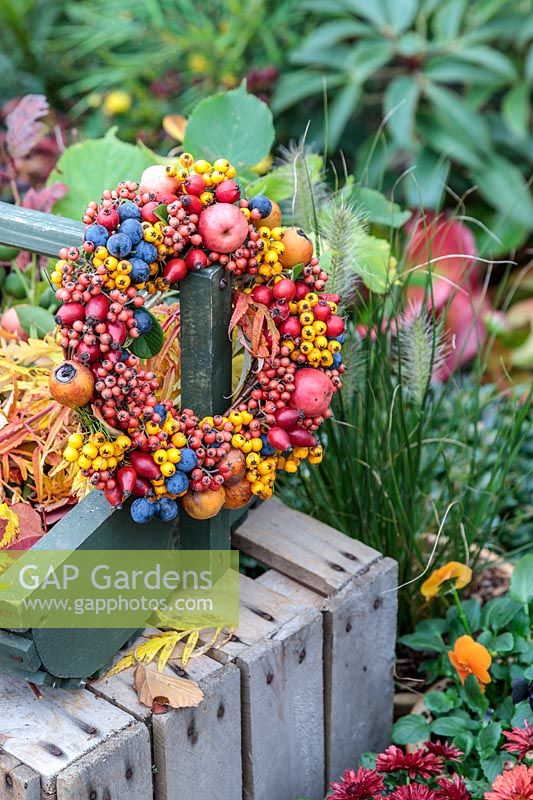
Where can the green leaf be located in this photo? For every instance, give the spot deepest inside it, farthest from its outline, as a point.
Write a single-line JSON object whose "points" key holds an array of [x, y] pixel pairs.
{"points": [[161, 211], [465, 742], [149, 344], [296, 86], [400, 13], [516, 109], [492, 767], [490, 59], [410, 729], [522, 580], [455, 110], [35, 321], [473, 696], [447, 20], [278, 184], [424, 642], [378, 209], [449, 726], [401, 98], [487, 740], [503, 643], [91, 166], [373, 264], [438, 702], [340, 111], [424, 186], [522, 713], [503, 186], [234, 125], [499, 612]]}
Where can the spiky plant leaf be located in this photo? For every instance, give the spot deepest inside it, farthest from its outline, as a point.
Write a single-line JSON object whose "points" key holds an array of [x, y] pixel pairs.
{"points": [[423, 346], [342, 233], [298, 163]]}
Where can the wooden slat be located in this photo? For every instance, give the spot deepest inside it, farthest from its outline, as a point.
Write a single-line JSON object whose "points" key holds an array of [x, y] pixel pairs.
{"points": [[306, 550], [197, 752], [38, 232], [17, 781], [206, 377], [18, 651], [51, 734]]}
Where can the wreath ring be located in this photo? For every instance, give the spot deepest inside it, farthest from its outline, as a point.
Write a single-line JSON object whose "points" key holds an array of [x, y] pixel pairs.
{"points": [[141, 240]]}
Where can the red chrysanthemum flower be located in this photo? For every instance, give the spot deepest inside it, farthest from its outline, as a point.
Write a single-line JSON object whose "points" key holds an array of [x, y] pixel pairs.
{"points": [[446, 751], [452, 789], [413, 791], [420, 762], [513, 784], [519, 741], [365, 784]]}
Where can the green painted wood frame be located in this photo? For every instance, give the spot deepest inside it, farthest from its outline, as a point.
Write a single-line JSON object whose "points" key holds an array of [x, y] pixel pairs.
{"points": [[205, 299]]}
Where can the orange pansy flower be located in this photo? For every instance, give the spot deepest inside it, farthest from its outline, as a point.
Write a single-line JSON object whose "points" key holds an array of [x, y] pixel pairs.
{"points": [[471, 658], [453, 570]]}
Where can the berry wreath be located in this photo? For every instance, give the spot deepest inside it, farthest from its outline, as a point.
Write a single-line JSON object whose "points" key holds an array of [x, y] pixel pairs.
{"points": [[140, 241]]}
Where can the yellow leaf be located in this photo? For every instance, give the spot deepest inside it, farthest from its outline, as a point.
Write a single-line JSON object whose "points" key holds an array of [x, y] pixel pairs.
{"points": [[166, 690], [12, 529], [124, 663], [175, 125], [189, 647]]}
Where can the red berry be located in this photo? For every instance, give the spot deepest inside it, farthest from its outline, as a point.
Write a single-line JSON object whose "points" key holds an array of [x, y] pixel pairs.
{"points": [[109, 218], [262, 294], [195, 185], [285, 289], [228, 192]]}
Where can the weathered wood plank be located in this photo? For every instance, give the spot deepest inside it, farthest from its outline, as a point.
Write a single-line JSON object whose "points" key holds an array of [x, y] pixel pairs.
{"points": [[197, 752], [119, 769], [18, 651], [52, 733], [289, 588], [206, 377], [38, 232], [306, 550], [17, 781]]}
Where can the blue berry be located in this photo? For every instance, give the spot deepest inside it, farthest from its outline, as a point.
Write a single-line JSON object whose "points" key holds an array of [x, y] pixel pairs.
{"points": [[96, 234], [140, 271], [143, 320], [133, 229], [188, 460], [161, 410], [262, 203], [146, 251], [142, 510], [267, 449], [128, 210], [166, 509], [119, 245], [341, 338], [177, 483], [337, 360]]}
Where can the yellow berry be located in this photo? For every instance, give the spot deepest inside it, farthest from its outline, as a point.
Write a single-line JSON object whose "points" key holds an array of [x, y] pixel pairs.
{"points": [[321, 342], [90, 450], [320, 327], [179, 440], [106, 450], [257, 444], [123, 441], [222, 165], [75, 440], [257, 487], [168, 469], [201, 166], [152, 428], [84, 463], [173, 455], [300, 452], [247, 446], [314, 357], [207, 198], [122, 281], [160, 456], [70, 454], [308, 332], [231, 172], [238, 441], [326, 359], [252, 460], [306, 347], [306, 318], [112, 462], [171, 425]]}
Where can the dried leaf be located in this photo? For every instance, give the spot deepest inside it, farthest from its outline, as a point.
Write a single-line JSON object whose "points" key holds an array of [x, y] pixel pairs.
{"points": [[9, 526], [165, 690], [30, 524], [23, 128], [175, 125]]}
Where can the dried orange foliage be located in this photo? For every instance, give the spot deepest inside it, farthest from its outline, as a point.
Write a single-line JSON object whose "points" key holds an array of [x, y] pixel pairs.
{"points": [[33, 427], [167, 363]]}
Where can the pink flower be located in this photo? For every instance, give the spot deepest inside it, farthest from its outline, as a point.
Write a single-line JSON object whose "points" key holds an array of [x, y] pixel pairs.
{"points": [[519, 741], [413, 791], [365, 784], [453, 789], [420, 762], [446, 751], [513, 784]]}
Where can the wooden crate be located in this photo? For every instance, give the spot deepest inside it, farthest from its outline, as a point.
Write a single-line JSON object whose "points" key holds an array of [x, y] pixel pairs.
{"points": [[206, 380], [303, 687]]}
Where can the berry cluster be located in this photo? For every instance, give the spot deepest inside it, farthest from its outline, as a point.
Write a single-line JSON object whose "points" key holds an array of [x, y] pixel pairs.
{"points": [[140, 240]]}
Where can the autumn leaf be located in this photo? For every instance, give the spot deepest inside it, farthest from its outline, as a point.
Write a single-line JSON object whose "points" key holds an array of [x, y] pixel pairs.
{"points": [[154, 687], [44, 199], [9, 526], [23, 128], [30, 527], [174, 125]]}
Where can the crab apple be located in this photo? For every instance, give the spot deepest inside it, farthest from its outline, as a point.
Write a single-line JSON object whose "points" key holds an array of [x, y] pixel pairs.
{"points": [[291, 327], [285, 289], [118, 332], [70, 313], [10, 322], [166, 197], [196, 259], [262, 294], [298, 248], [195, 185], [228, 192], [147, 212], [232, 467], [278, 438], [322, 311], [175, 270], [72, 384], [192, 204], [238, 495], [335, 326], [98, 307], [91, 351], [108, 217], [144, 465], [203, 505], [155, 180], [299, 437], [312, 393], [223, 227], [301, 290]]}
